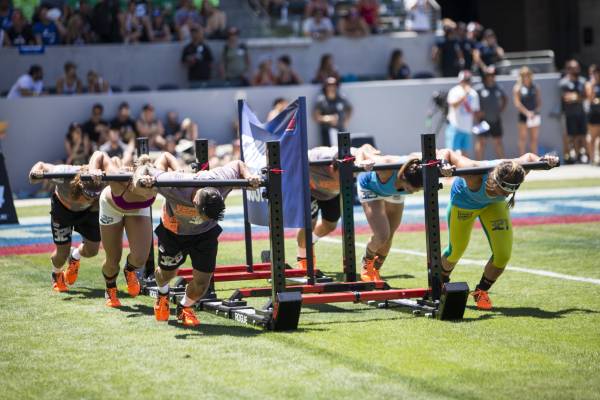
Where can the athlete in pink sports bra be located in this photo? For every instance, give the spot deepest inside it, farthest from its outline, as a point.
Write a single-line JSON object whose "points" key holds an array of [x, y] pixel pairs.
{"points": [[129, 212]]}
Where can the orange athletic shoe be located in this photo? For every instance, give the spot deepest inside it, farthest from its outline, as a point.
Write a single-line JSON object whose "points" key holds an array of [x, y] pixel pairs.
{"points": [[111, 297], [72, 271], [186, 316], [376, 276], [367, 274], [133, 285], [303, 262], [58, 282], [161, 307], [482, 299]]}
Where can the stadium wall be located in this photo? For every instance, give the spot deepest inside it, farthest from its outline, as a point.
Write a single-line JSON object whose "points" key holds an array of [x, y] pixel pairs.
{"points": [[393, 112]]}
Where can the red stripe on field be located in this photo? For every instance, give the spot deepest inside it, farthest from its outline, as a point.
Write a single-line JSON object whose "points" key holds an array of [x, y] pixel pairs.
{"points": [[232, 237]]}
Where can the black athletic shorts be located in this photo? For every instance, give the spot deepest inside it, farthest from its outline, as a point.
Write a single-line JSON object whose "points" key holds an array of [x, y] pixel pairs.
{"points": [[594, 118], [495, 129], [173, 249], [522, 118], [331, 210], [63, 221], [576, 125]]}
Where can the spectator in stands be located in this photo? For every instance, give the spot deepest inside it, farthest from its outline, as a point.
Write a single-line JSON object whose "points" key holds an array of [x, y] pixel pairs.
{"points": [[572, 88], [463, 103], [96, 128], [279, 104], [352, 24], [77, 146], [78, 32], [197, 57], [397, 68], [186, 18], [326, 69], [318, 27], [86, 11], [527, 98], [29, 84], [235, 59], [285, 73], [124, 124], [369, 11], [48, 31], [592, 90], [173, 131], [332, 111], [216, 20], [264, 76], [20, 31], [6, 13], [474, 31], [131, 23], [419, 15], [114, 146], [70, 82], [105, 21], [487, 52], [157, 29], [492, 101], [466, 44], [96, 84], [150, 127], [314, 5], [446, 53]]}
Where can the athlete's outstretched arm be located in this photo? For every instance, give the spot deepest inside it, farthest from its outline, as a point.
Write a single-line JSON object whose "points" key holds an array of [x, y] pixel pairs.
{"points": [[37, 171], [166, 162], [456, 159], [244, 172], [100, 161]]}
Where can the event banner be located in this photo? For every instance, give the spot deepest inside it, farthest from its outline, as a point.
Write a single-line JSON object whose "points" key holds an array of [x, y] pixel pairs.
{"points": [[287, 128]]}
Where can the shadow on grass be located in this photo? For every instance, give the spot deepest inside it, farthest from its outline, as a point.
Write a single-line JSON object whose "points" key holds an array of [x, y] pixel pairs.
{"points": [[534, 312], [83, 292]]}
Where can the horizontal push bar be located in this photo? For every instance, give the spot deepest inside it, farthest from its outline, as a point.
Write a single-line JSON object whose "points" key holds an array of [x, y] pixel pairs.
{"points": [[248, 276], [356, 168], [355, 297], [109, 177], [205, 183], [57, 175], [537, 165]]}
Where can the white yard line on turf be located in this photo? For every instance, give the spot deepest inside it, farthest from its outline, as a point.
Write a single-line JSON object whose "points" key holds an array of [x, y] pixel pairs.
{"points": [[481, 264]]}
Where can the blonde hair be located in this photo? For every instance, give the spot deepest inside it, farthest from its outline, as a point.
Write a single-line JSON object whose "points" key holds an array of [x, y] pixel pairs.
{"points": [[523, 72], [509, 172], [77, 186]]}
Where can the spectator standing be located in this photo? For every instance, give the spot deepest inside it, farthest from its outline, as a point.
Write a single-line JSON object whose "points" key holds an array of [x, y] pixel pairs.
{"points": [[114, 146], [78, 33], [492, 101], [131, 23], [279, 104], [173, 131], [216, 20], [572, 88], [96, 128], [285, 73], [105, 21], [397, 68], [48, 32], [96, 84], [446, 53], [487, 52], [318, 26], [527, 98], [186, 18], [77, 146], [369, 11], [463, 103], [592, 90], [332, 112], [197, 57], [264, 76], [6, 13], [70, 82], [157, 29], [124, 124], [466, 44], [150, 127], [20, 31], [314, 5], [353, 25], [326, 69], [235, 59], [29, 84], [419, 15]]}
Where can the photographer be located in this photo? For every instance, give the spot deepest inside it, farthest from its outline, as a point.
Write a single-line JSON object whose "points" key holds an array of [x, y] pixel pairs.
{"points": [[463, 103]]}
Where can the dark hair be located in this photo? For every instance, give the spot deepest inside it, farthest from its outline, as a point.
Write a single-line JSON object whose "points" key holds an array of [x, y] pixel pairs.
{"points": [[211, 203], [123, 105], [278, 100], [285, 59], [396, 54], [98, 106], [412, 172], [69, 65], [34, 69]]}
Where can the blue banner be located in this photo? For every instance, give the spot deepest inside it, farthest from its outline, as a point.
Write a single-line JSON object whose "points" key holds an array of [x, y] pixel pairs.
{"points": [[287, 128]]}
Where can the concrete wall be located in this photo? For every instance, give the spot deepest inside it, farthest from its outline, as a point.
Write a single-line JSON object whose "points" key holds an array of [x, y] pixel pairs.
{"points": [[155, 64], [393, 112]]}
